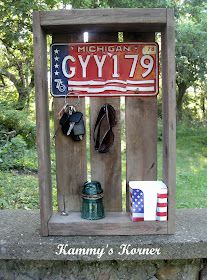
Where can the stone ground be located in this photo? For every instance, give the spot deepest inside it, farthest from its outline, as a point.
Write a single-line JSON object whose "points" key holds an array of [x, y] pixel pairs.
{"points": [[25, 255], [106, 270], [20, 239]]}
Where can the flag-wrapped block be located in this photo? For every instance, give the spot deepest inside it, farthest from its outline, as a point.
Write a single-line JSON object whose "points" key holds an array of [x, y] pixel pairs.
{"points": [[148, 201]]}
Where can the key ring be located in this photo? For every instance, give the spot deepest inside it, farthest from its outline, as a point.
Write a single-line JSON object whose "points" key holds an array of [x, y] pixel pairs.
{"points": [[67, 106], [69, 94]]}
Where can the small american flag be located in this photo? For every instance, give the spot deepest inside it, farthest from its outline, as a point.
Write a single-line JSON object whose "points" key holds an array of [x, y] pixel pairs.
{"points": [[137, 205], [148, 201]]}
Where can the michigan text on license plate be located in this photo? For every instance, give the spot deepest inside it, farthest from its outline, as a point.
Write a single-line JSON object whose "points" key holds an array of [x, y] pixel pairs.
{"points": [[104, 69]]}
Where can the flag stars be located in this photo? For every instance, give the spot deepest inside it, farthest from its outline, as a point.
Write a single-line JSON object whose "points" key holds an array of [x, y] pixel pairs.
{"points": [[137, 203], [56, 51], [56, 58], [56, 73], [56, 66]]}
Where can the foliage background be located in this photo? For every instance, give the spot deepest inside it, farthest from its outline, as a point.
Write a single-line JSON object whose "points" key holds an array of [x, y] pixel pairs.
{"points": [[18, 159]]}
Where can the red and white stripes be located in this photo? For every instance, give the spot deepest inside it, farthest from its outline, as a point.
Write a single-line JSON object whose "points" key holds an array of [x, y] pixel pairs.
{"points": [[93, 86], [161, 211]]}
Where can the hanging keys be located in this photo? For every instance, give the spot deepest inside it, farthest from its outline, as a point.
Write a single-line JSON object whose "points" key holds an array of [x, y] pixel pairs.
{"points": [[71, 122], [78, 130], [61, 118], [72, 110], [70, 128]]}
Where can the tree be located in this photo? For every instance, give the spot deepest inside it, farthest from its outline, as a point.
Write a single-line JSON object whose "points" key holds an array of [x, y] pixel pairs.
{"points": [[191, 55], [16, 48]]}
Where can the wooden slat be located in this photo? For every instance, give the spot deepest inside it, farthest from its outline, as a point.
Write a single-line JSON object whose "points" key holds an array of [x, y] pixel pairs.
{"points": [[42, 119], [141, 139], [106, 168], [113, 19], [115, 223], [71, 170], [141, 131], [169, 116]]}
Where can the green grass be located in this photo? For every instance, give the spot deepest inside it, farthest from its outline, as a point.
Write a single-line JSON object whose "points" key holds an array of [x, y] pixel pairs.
{"points": [[191, 167], [19, 189]]}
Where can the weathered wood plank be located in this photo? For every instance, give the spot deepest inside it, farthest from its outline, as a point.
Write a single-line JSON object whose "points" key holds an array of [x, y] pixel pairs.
{"points": [[106, 168], [71, 167], [87, 18], [42, 120], [141, 131], [169, 116], [115, 223], [141, 139]]}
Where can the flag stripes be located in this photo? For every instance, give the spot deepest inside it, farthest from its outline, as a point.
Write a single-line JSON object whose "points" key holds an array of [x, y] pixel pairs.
{"points": [[161, 211]]}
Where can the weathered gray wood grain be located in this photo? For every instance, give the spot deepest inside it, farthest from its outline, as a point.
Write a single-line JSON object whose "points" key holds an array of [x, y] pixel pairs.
{"points": [[141, 130], [106, 168], [103, 16], [42, 120], [115, 223], [71, 166], [169, 116]]}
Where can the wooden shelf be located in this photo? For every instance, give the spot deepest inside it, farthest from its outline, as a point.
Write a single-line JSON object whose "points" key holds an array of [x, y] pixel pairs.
{"points": [[115, 223], [140, 123]]}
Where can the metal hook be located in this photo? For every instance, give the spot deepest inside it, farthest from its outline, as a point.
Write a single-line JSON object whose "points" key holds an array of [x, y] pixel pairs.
{"points": [[70, 94], [67, 95], [77, 103]]}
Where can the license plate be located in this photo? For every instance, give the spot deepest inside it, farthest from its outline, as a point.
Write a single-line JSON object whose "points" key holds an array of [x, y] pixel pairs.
{"points": [[104, 69]]}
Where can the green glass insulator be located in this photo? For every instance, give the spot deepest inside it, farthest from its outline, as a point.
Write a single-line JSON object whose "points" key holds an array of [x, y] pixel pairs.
{"points": [[92, 201]]}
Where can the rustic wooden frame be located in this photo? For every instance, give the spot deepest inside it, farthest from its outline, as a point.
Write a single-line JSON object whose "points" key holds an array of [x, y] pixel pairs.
{"points": [[105, 20]]}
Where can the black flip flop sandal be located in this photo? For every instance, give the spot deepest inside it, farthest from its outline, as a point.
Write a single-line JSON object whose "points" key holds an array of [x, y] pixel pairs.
{"points": [[103, 134]]}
